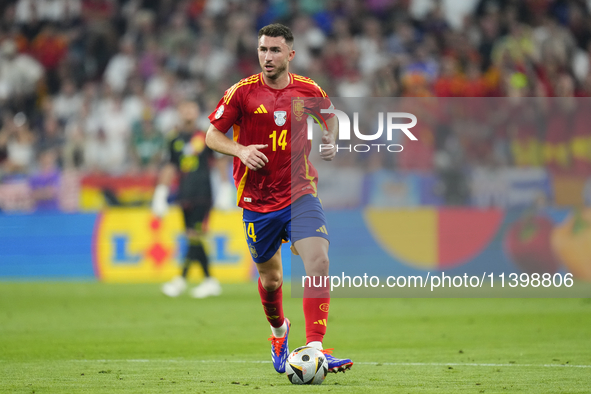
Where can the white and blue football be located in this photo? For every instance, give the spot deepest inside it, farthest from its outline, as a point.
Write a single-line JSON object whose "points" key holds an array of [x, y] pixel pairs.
{"points": [[306, 365]]}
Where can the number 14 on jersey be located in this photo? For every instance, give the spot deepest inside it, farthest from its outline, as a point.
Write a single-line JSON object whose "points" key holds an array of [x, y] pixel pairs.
{"points": [[281, 141]]}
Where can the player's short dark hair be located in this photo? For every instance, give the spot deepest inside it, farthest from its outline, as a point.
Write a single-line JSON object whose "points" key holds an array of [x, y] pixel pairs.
{"points": [[277, 30]]}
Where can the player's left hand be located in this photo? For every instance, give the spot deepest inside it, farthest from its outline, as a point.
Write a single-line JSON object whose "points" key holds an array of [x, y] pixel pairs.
{"points": [[328, 154]]}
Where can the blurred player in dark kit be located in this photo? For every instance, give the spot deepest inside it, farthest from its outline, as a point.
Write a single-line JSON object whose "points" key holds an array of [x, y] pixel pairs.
{"points": [[191, 159]]}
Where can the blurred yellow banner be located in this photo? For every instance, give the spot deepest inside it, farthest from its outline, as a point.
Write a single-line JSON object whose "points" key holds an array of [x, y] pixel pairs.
{"points": [[131, 245]]}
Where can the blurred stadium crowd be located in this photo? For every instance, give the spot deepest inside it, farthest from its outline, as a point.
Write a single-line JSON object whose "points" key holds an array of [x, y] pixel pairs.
{"points": [[90, 87]]}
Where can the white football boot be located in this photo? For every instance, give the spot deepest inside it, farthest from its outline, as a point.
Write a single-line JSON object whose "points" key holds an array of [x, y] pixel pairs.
{"points": [[209, 287], [175, 287]]}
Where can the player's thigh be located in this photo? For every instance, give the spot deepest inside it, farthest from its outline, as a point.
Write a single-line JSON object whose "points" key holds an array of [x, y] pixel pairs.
{"points": [[314, 254], [196, 219], [264, 233], [309, 234]]}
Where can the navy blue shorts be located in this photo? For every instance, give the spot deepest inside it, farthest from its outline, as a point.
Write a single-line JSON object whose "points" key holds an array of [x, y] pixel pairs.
{"points": [[265, 232]]}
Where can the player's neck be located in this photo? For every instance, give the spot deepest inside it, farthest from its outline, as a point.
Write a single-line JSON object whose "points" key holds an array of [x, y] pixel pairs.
{"points": [[280, 82]]}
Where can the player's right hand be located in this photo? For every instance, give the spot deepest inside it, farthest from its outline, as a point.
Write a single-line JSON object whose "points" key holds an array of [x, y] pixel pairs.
{"points": [[252, 157], [160, 201]]}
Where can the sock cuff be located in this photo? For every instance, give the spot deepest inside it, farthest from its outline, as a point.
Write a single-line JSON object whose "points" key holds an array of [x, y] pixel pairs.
{"points": [[315, 344]]}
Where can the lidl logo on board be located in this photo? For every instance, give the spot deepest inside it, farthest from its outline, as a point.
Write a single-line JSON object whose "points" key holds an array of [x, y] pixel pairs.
{"points": [[130, 245]]}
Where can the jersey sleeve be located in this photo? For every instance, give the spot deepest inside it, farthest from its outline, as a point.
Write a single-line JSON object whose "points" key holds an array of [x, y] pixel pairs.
{"points": [[325, 103], [227, 112]]}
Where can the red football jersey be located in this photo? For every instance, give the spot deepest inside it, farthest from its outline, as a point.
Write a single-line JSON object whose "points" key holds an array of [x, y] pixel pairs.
{"points": [[260, 114]]}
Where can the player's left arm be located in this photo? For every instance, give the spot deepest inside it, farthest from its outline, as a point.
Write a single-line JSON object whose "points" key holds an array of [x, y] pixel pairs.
{"points": [[250, 155], [329, 139]]}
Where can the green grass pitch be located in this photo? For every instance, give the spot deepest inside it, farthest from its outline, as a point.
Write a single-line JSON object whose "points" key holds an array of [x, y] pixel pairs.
{"points": [[98, 338]]}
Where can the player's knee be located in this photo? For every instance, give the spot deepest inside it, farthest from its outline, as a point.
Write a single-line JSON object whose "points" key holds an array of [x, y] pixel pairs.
{"points": [[271, 282], [318, 265]]}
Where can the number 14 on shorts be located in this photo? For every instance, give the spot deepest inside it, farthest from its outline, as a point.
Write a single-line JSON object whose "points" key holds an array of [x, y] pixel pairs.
{"points": [[249, 231]]}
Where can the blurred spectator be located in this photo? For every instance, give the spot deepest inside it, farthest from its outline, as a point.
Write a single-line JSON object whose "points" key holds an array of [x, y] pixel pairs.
{"points": [[334, 62], [45, 182], [117, 130], [310, 40], [449, 83], [582, 63], [50, 47], [488, 34], [150, 58], [5, 132], [402, 40], [210, 62], [158, 88], [552, 34], [73, 150], [178, 35], [423, 64], [385, 83], [98, 11], [52, 136], [99, 156], [148, 145], [372, 41], [518, 46], [20, 145], [20, 75], [136, 102], [353, 86], [239, 42], [100, 36], [67, 104], [120, 67]]}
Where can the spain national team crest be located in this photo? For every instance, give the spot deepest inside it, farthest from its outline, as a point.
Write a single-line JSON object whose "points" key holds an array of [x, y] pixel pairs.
{"points": [[253, 251], [280, 117], [297, 107]]}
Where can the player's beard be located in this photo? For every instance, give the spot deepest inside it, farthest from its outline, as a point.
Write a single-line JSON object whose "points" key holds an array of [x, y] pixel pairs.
{"points": [[277, 72]]}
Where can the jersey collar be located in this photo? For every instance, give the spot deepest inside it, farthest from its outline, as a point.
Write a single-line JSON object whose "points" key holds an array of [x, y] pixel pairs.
{"points": [[262, 79]]}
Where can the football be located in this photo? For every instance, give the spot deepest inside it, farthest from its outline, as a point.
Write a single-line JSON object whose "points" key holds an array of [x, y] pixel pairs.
{"points": [[306, 365]]}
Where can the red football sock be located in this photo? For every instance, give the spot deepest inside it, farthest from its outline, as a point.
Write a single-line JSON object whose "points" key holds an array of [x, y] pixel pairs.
{"points": [[316, 303], [273, 304]]}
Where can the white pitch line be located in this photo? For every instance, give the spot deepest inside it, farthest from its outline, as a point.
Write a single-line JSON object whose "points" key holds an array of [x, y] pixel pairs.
{"points": [[358, 363], [477, 365]]}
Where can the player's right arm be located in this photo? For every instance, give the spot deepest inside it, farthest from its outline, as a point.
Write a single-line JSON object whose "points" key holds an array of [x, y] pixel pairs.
{"points": [[250, 155]]}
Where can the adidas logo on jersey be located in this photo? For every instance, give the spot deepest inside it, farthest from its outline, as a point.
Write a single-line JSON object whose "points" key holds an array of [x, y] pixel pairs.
{"points": [[261, 110], [322, 230]]}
